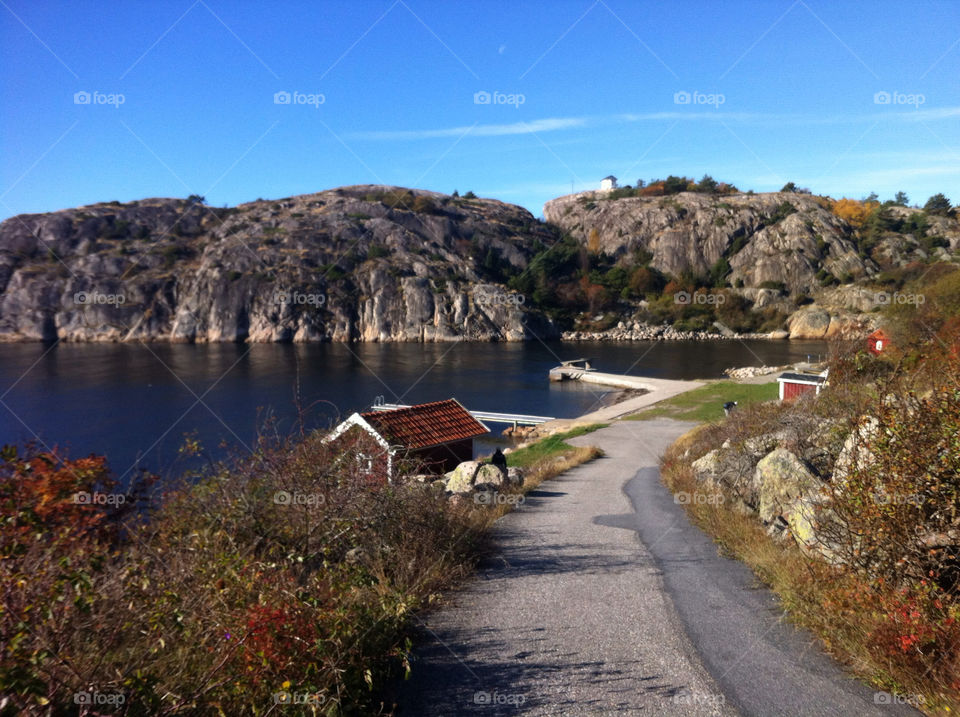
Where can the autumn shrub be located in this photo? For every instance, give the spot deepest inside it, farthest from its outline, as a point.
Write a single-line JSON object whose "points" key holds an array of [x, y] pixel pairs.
{"points": [[293, 570]]}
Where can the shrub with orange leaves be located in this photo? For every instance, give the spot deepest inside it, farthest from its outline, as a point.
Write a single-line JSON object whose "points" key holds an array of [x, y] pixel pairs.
{"points": [[854, 212]]}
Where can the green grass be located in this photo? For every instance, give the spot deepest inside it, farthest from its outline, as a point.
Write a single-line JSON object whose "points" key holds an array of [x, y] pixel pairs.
{"points": [[706, 403], [549, 446]]}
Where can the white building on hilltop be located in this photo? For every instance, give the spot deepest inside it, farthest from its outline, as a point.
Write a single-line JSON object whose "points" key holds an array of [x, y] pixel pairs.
{"points": [[608, 182]]}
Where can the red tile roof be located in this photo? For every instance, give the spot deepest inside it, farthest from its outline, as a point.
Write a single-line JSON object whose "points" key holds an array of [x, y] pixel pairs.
{"points": [[427, 424]]}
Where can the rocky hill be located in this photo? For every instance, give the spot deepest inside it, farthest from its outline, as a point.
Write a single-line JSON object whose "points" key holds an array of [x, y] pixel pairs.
{"points": [[778, 238], [378, 263], [368, 263]]}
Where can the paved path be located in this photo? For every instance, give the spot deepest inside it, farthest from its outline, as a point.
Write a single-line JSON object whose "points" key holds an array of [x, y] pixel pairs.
{"points": [[576, 615]]}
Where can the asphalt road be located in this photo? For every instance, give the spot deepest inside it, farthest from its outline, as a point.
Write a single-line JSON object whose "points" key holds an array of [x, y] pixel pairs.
{"points": [[603, 599]]}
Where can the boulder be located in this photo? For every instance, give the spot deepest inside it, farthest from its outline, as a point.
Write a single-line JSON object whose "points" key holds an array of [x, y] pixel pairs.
{"points": [[461, 479], [855, 453], [707, 467], [489, 474], [781, 479], [809, 323], [514, 476]]}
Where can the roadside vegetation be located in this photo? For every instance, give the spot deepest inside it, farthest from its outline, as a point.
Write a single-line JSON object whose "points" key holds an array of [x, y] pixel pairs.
{"points": [[287, 577], [874, 566]]}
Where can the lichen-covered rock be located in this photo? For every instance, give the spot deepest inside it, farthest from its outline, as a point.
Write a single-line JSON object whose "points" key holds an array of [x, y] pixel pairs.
{"points": [[462, 478], [780, 479], [491, 475]]}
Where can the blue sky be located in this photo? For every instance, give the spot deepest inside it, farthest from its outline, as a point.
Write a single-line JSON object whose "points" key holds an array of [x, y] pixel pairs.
{"points": [[755, 93]]}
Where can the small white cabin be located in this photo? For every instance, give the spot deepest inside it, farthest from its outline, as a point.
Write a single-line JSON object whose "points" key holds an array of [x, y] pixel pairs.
{"points": [[609, 182]]}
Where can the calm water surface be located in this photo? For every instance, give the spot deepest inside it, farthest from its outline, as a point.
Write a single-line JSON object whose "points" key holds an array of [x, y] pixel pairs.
{"points": [[134, 403]]}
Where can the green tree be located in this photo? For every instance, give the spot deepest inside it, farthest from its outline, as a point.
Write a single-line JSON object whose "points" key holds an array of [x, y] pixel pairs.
{"points": [[675, 185], [937, 204], [789, 187], [901, 199], [707, 185]]}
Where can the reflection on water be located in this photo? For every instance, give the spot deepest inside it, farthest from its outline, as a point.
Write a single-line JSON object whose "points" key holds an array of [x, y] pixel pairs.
{"points": [[135, 402]]}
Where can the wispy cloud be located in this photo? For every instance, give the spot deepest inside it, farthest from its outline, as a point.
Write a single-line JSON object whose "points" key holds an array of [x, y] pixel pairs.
{"points": [[484, 130], [554, 124]]}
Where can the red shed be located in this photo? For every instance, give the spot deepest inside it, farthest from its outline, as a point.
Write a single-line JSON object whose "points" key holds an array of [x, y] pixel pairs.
{"points": [[437, 435], [877, 342], [797, 384]]}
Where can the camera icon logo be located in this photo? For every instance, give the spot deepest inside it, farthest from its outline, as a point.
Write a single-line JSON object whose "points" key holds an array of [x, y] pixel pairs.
{"points": [[82, 498], [883, 298], [281, 98], [681, 98], [681, 297], [281, 497], [482, 697], [881, 98], [481, 98], [81, 98]]}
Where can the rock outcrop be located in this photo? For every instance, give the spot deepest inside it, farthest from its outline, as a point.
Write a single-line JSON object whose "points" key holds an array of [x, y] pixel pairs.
{"points": [[778, 237], [367, 263]]}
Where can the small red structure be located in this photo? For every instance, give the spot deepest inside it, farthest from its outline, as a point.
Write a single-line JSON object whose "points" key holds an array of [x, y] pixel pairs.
{"points": [[793, 385], [437, 435], [877, 342]]}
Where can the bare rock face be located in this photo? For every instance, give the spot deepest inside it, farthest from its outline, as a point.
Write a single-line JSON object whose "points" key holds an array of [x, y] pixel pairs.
{"points": [[365, 263], [777, 237], [818, 323]]}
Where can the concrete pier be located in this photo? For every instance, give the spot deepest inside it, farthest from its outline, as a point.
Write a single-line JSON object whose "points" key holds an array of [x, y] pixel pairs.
{"points": [[657, 390]]}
